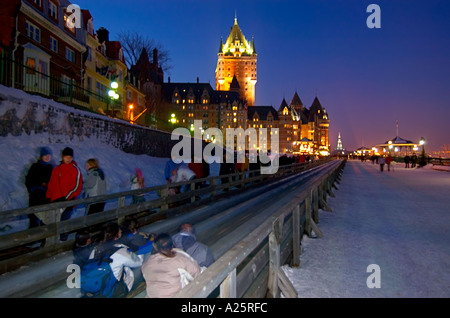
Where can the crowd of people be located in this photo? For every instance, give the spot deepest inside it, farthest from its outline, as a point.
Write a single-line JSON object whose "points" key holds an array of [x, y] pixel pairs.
{"points": [[410, 161], [163, 263]]}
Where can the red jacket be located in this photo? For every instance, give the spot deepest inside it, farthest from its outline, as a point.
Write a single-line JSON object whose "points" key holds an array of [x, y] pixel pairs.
{"points": [[197, 168], [66, 182]]}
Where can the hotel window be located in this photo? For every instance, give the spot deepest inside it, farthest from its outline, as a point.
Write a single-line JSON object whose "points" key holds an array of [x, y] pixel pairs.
{"points": [[129, 95], [52, 11], [33, 31], [70, 55], [53, 44], [139, 100]]}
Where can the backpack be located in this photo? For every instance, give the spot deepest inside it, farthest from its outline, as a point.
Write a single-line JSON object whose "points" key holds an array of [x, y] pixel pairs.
{"points": [[98, 280]]}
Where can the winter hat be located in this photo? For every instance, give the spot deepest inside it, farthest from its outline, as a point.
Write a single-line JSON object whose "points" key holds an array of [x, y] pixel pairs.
{"points": [[164, 242], [45, 151], [67, 152], [138, 173]]}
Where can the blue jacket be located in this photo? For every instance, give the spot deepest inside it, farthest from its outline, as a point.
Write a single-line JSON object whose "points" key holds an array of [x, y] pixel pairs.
{"points": [[170, 165]]}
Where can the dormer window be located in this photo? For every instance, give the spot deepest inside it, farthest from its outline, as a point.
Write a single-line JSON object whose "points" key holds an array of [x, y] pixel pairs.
{"points": [[53, 11]]}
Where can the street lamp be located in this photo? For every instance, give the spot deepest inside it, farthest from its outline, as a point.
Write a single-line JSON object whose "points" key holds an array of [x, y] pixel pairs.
{"points": [[173, 119], [422, 161], [131, 115], [112, 93]]}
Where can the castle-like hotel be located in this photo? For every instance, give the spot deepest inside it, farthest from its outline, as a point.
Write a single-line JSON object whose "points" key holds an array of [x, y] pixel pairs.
{"points": [[41, 53], [301, 130]]}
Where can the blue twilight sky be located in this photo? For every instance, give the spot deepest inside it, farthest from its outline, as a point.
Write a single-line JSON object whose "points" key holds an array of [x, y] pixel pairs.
{"points": [[366, 79]]}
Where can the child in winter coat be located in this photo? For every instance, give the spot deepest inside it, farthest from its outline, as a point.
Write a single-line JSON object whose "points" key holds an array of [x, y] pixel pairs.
{"points": [[94, 184], [137, 182]]}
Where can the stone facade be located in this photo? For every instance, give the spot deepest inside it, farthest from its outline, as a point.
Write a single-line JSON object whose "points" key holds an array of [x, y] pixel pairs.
{"points": [[21, 113]]}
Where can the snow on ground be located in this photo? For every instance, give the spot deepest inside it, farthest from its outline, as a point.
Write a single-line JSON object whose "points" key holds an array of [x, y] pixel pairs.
{"points": [[398, 220]]}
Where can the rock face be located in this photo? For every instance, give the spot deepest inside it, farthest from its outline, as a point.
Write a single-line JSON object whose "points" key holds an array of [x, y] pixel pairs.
{"points": [[21, 113]]}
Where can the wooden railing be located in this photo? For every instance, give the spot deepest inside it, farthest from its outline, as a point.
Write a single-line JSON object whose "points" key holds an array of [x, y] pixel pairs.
{"points": [[149, 212], [252, 268]]}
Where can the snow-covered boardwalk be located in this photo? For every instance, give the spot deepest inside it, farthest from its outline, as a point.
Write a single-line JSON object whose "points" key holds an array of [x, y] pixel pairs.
{"points": [[397, 220]]}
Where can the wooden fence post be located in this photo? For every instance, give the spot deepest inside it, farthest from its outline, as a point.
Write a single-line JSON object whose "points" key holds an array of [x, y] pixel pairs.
{"points": [[296, 237], [120, 204], [228, 286], [315, 205], [308, 216]]}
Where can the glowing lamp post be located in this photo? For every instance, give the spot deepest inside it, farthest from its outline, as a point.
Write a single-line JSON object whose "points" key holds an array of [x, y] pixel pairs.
{"points": [[422, 161], [172, 119], [130, 109], [112, 93]]}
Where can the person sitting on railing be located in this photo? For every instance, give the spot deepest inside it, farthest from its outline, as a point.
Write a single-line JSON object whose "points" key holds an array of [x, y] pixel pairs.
{"points": [[186, 240], [169, 270]]}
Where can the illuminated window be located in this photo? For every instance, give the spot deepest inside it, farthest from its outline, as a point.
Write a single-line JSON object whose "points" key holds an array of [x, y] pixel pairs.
{"points": [[31, 65], [68, 23]]}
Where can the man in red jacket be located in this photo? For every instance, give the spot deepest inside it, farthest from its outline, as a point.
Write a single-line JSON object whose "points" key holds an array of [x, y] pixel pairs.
{"points": [[65, 184]]}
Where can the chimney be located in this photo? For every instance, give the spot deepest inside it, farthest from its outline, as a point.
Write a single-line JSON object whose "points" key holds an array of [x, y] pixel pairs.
{"points": [[102, 35], [168, 80], [155, 57], [197, 80]]}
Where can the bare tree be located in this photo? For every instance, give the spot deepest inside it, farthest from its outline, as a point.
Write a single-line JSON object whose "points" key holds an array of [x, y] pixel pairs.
{"points": [[133, 43]]}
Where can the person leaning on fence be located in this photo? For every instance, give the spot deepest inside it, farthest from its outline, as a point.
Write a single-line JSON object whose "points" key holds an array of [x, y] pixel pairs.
{"points": [[94, 184], [36, 181], [186, 240], [184, 174], [168, 270], [65, 184], [125, 264], [169, 167], [138, 182]]}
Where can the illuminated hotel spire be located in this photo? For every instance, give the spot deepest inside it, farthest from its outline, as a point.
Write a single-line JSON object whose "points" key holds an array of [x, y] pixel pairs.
{"points": [[339, 144], [237, 58]]}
